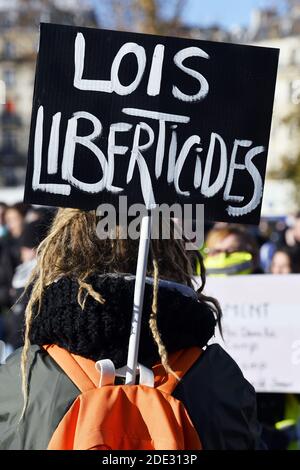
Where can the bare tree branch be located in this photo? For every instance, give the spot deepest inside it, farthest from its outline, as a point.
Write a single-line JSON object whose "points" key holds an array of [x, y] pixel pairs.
{"points": [[142, 15]]}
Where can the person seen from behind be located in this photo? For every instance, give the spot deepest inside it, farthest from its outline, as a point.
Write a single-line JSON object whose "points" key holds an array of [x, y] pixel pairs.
{"points": [[80, 299]]}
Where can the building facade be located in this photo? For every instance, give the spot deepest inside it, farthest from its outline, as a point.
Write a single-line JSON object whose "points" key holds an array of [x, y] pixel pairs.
{"points": [[270, 29], [19, 21]]}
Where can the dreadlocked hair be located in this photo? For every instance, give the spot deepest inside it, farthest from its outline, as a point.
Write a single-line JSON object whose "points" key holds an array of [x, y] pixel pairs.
{"points": [[61, 253], [73, 248]]}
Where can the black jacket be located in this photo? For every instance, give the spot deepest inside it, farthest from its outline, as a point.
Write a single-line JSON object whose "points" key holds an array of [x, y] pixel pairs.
{"points": [[7, 267], [220, 402]]}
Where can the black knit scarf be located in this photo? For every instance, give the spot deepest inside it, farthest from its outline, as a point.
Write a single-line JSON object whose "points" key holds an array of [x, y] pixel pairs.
{"points": [[102, 331]]}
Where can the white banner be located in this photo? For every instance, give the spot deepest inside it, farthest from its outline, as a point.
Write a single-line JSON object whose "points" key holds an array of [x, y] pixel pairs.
{"points": [[261, 327]]}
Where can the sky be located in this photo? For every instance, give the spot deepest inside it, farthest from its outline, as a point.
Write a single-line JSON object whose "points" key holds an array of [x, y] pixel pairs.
{"points": [[225, 12]]}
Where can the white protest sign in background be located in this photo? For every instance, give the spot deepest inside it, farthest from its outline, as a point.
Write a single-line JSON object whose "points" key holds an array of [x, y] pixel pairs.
{"points": [[261, 327]]}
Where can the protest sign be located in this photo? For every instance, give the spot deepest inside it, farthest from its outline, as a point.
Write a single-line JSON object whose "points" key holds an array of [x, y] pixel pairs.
{"points": [[158, 119], [261, 327]]}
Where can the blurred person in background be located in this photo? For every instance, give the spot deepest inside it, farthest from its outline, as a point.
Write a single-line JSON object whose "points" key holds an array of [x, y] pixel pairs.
{"points": [[286, 260], [14, 221], [269, 240], [14, 218], [32, 235], [44, 214], [3, 229], [230, 250], [292, 235], [4, 278]]}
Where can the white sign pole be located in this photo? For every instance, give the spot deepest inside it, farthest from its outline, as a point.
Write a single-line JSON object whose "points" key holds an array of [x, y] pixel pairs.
{"points": [[138, 299]]}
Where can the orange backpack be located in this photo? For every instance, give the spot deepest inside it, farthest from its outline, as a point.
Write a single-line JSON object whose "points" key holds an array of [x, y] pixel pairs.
{"points": [[124, 417]]}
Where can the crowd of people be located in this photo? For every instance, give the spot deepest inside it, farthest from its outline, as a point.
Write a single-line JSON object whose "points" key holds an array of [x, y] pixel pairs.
{"points": [[22, 228], [272, 247]]}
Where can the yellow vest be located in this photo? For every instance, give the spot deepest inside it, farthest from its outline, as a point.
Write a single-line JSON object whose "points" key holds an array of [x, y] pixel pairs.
{"points": [[224, 264], [292, 418]]}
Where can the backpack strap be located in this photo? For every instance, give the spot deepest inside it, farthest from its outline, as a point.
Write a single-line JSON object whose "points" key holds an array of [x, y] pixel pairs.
{"points": [[85, 376], [180, 362], [80, 370]]}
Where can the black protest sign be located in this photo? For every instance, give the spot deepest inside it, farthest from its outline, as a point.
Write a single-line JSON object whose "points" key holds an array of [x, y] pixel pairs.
{"points": [[158, 119]]}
